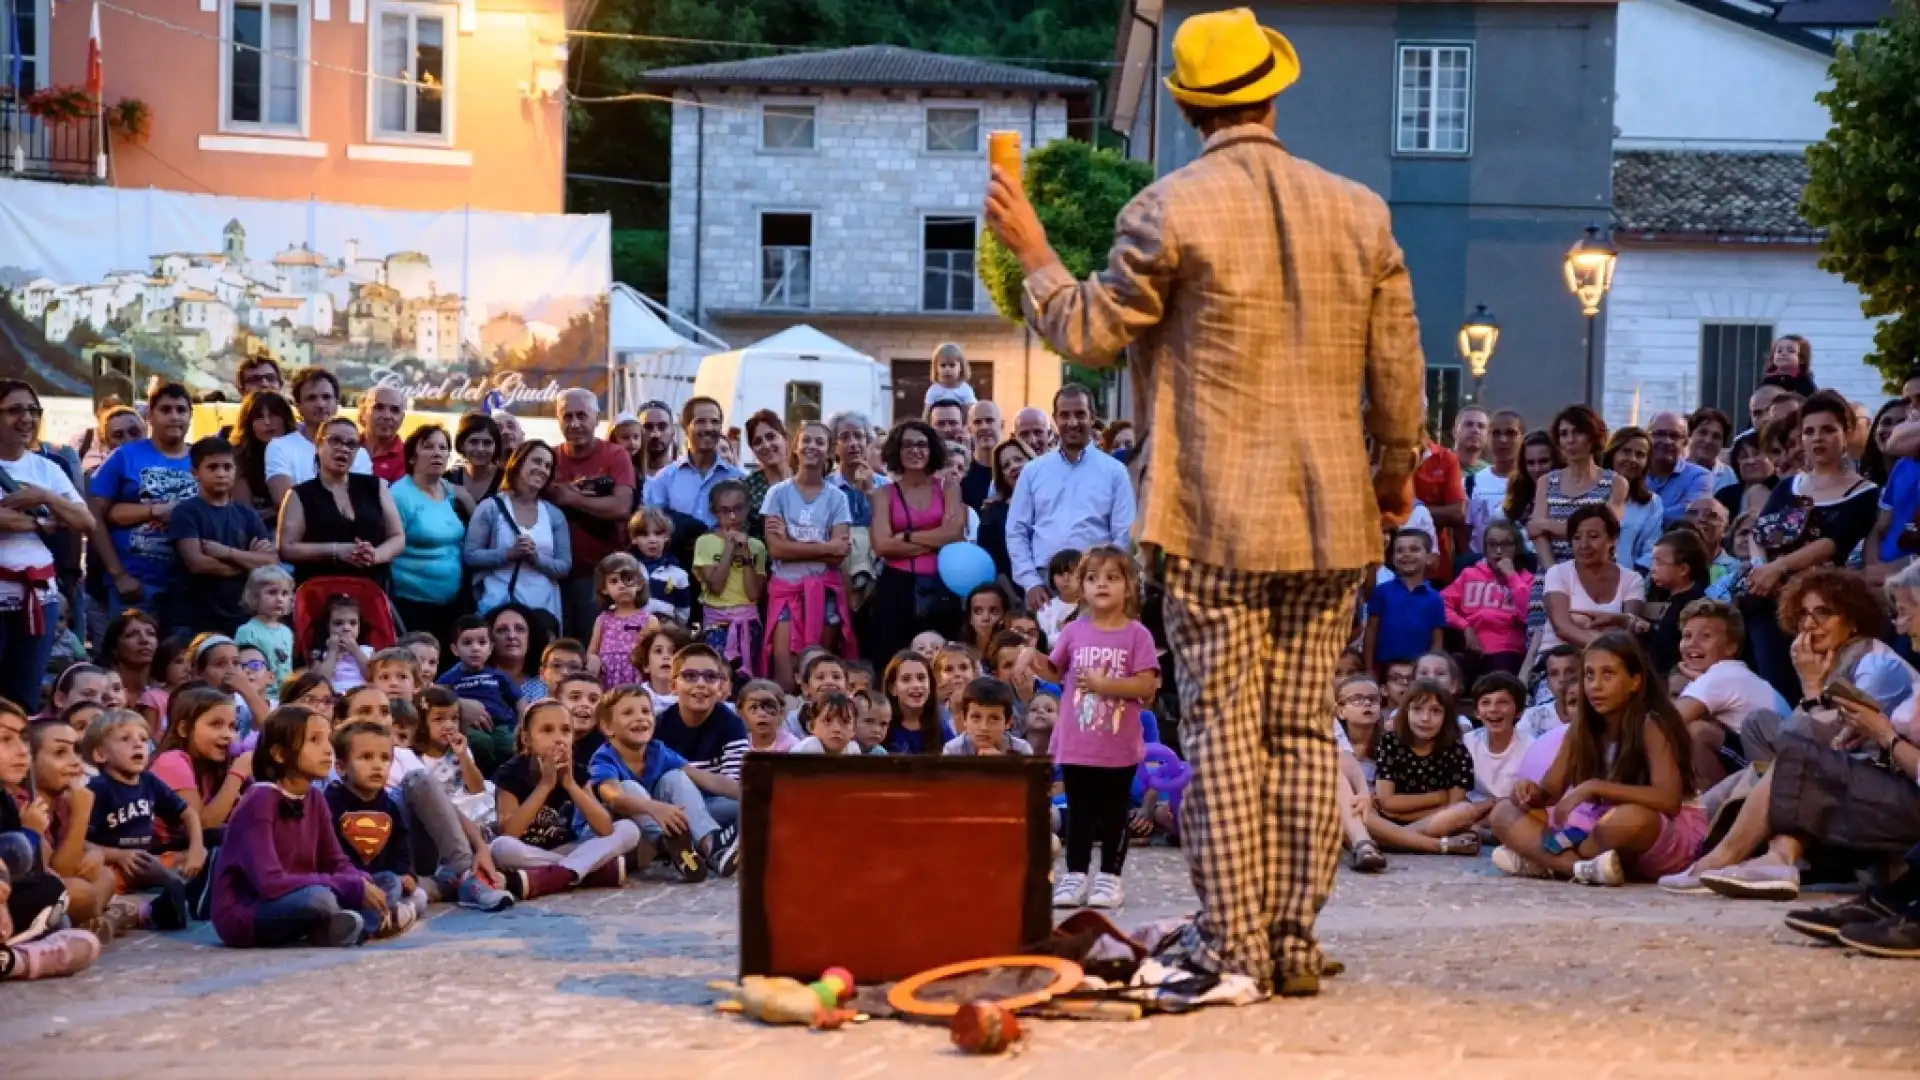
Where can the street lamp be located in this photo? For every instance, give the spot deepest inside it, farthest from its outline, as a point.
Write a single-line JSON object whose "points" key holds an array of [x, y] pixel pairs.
{"points": [[1478, 336], [1589, 275]]}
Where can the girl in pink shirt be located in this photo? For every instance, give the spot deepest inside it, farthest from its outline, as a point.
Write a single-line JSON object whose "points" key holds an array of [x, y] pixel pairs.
{"points": [[1488, 602]]}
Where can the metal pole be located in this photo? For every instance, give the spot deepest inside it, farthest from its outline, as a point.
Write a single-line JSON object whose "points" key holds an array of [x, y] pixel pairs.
{"points": [[1589, 382]]}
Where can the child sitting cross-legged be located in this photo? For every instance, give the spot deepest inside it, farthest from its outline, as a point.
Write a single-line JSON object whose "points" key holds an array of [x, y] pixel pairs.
{"points": [[33, 902], [645, 783], [126, 801], [580, 693], [368, 820], [542, 794], [1422, 773], [1356, 729], [835, 721], [282, 878], [57, 788], [1496, 746], [986, 716], [760, 705]]}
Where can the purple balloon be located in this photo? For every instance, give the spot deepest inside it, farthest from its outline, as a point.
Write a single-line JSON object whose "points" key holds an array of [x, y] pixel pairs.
{"points": [[1539, 756]]}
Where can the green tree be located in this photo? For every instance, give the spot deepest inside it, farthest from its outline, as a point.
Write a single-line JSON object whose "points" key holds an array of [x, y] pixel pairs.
{"points": [[1078, 191], [1865, 184]]}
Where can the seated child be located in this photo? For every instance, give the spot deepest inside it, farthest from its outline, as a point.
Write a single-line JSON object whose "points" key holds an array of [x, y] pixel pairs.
{"points": [[1396, 679], [540, 793], [1496, 746], [282, 878], [126, 801], [341, 656], [55, 789], [986, 709], [1442, 668], [668, 590], [821, 673], [653, 657], [1356, 700], [396, 673], [732, 569], [1562, 690], [32, 901], [955, 667], [1423, 774], [426, 655], [442, 746], [835, 718], [580, 693], [488, 687], [927, 643], [760, 704], [172, 667], [1043, 712], [1003, 656], [872, 719], [1063, 603], [368, 820], [645, 783], [1723, 691], [859, 676]]}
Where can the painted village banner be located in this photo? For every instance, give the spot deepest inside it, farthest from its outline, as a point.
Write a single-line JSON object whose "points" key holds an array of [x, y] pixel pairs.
{"points": [[453, 307]]}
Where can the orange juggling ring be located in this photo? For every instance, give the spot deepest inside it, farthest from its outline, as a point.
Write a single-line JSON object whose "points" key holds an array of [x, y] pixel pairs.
{"points": [[904, 996]]}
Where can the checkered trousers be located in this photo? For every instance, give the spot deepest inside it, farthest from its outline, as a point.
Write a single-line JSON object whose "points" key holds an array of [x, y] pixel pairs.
{"points": [[1255, 653]]}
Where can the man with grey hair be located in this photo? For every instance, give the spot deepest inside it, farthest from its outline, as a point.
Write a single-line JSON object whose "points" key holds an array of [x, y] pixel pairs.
{"points": [[853, 475], [593, 485], [1031, 428], [382, 410]]}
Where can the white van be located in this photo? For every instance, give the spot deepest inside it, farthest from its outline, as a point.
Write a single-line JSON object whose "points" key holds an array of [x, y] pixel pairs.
{"points": [[802, 375]]}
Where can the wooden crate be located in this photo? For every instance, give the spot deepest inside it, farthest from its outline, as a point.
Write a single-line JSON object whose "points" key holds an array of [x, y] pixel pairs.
{"points": [[890, 865]]}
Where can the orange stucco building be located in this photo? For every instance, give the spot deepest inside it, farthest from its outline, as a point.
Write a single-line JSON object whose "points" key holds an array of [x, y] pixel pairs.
{"points": [[271, 98]]}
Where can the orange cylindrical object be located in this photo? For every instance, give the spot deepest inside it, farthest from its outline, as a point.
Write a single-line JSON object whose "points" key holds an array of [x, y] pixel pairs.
{"points": [[1003, 153]]}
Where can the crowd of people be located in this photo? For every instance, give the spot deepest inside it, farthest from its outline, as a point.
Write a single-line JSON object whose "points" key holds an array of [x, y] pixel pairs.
{"points": [[309, 676]]}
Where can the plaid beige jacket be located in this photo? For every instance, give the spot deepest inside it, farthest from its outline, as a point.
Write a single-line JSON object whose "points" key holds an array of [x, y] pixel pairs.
{"points": [[1263, 299]]}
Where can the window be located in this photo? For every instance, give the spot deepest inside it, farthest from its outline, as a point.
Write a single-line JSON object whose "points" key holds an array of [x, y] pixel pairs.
{"points": [[1732, 357], [1443, 397], [411, 65], [953, 131], [947, 270], [803, 405], [786, 127], [1435, 102], [786, 260], [266, 71], [23, 44]]}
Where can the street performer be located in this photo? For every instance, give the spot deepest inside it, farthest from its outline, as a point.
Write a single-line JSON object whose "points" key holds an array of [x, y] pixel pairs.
{"points": [[1264, 299]]}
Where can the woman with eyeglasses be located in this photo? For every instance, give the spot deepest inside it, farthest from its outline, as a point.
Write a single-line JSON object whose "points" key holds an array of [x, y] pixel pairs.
{"points": [[115, 426], [913, 518], [340, 523], [37, 499]]}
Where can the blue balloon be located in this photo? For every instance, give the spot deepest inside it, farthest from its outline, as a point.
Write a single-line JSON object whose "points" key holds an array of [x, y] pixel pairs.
{"points": [[965, 567]]}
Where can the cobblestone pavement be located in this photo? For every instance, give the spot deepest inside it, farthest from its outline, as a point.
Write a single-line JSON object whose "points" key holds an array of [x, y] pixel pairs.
{"points": [[1454, 971]]}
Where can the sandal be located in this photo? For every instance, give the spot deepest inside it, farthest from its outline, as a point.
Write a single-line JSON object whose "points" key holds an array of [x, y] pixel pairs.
{"points": [[1367, 858], [1462, 844]]}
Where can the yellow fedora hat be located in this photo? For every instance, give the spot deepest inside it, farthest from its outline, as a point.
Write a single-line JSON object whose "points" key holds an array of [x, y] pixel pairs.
{"points": [[1225, 58]]}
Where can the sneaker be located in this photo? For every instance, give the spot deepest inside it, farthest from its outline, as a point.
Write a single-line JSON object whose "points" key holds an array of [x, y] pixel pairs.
{"points": [[608, 875], [1106, 892], [1827, 922], [1070, 891], [477, 894], [1897, 938], [685, 861], [1754, 881], [1514, 864], [61, 953], [723, 851], [1603, 869], [537, 881], [1368, 859], [401, 917], [338, 930], [52, 915], [1686, 882], [169, 910]]}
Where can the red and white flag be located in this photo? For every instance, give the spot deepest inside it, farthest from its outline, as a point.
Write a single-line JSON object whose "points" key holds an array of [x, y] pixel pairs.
{"points": [[95, 76]]}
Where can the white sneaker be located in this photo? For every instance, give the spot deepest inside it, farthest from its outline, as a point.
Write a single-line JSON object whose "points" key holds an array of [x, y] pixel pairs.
{"points": [[1514, 864], [403, 916], [1605, 869], [1106, 892], [1070, 891]]}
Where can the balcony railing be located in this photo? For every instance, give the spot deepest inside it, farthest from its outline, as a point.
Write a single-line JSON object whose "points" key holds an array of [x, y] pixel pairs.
{"points": [[33, 148]]}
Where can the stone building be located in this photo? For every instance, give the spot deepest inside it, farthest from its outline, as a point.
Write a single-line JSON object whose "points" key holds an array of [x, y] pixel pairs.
{"points": [[843, 189]]}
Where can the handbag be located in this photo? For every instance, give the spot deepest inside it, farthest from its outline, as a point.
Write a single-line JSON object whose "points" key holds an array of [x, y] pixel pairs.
{"points": [[1787, 530]]}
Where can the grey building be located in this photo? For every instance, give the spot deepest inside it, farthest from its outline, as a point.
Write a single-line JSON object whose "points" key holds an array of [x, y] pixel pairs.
{"points": [[1488, 129]]}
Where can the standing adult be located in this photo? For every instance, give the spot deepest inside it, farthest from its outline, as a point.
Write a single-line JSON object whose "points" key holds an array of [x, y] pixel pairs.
{"points": [[949, 417], [220, 541], [852, 474], [427, 573], [340, 522], [39, 500], [256, 374], [1676, 480], [132, 497], [115, 426], [1009, 459], [477, 441], [682, 488], [293, 458], [657, 449], [1241, 257], [1641, 525], [1709, 433], [1031, 428], [913, 518], [518, 544], [767, 438], [1580, 437], [264, 417], [382, 410], [593, 485], [1471, 428], [984, 423], [520, 634], [1440, 486], [1487, 489], [511, 433], [1072, 497]]}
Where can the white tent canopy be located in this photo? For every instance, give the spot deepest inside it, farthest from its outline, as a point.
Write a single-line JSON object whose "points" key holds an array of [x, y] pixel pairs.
{"points": [[804, 340], [650, 361]]}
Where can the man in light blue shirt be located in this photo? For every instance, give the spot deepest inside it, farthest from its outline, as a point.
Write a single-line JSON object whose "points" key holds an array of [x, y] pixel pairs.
{"points": [[1670, 475], [681, 488], [1074, 497]]}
